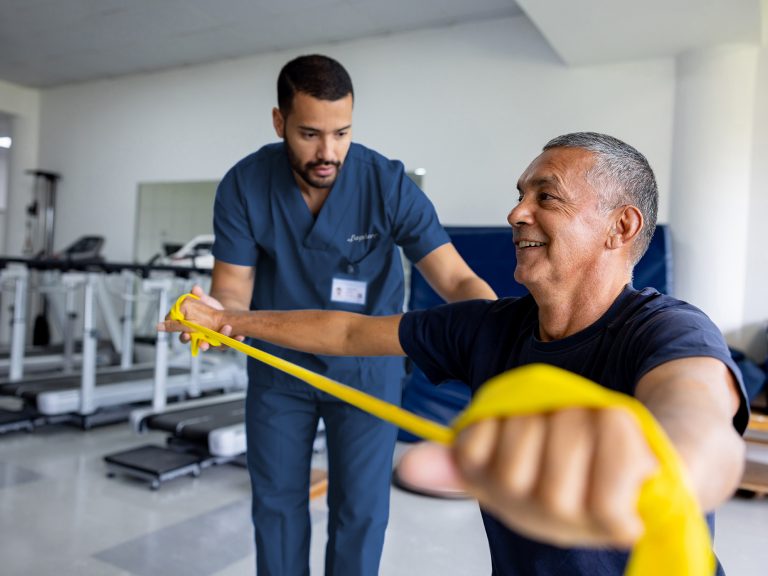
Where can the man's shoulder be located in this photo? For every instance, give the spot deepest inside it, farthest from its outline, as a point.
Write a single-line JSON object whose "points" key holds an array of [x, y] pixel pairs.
{"points": [[267, 154], [486, 312], [650, 302], [512, 304], [648, 311], [253, 172], [368, 159]]}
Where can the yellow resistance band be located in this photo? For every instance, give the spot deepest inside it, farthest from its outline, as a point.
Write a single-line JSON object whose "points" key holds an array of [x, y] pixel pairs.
{"points": [[676, 541]]}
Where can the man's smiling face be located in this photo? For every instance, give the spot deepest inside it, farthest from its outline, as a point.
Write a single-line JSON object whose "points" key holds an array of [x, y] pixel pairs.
{"points": [[558, 224]]}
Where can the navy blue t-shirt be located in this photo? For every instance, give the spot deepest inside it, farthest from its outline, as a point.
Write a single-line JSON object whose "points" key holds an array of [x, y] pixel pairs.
{"points": [[476, 340]]}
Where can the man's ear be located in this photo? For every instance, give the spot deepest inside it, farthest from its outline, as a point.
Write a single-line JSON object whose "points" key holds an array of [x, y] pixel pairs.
{"points": [[626, 227], [278, 122]]}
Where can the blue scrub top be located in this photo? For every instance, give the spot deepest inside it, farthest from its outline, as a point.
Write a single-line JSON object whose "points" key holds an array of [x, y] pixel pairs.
{"points": [[261, 220]]}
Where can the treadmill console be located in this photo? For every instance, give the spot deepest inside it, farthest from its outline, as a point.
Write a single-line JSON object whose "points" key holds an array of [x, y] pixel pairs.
{"points": [[84, 248]]}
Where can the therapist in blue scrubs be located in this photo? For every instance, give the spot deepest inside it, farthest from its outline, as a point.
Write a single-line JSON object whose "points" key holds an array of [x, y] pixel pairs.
{"points": [[314, 221]]}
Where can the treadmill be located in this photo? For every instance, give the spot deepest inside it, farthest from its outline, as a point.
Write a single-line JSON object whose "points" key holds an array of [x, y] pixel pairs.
{"points": [[19, 357], [214, 424], [203, 432], [16, 271], [107, 395]]}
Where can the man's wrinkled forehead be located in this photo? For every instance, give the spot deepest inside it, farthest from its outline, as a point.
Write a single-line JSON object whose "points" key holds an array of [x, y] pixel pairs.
{"points": [[552, 166], [540, 172]]}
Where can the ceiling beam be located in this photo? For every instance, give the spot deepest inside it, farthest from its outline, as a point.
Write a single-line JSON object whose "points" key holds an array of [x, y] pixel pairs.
{"points": [[601, 31]]}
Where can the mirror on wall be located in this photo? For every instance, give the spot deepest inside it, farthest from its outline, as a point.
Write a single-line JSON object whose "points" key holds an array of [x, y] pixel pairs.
{"points": [[170, 214]]}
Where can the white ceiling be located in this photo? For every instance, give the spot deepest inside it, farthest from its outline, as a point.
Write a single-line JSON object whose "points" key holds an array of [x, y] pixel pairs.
{"points": [[597, 31], [45, 43]]}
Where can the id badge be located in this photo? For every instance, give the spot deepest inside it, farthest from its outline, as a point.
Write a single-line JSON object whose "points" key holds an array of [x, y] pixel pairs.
{"points": [[348, 291]]}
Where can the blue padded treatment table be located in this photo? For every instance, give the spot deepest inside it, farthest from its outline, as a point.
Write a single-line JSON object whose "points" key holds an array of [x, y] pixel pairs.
{"points": [[489, 251]]}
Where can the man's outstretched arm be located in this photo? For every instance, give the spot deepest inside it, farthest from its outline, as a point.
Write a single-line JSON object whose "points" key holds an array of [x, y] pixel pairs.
{"points": [[694, 399], [572, 477]]}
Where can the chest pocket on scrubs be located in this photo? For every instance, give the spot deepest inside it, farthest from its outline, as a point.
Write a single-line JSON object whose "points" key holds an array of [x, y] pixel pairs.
{"points": [[366, 259]]}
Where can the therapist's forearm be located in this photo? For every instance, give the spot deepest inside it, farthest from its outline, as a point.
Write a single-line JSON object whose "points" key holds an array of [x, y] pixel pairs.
{"points": [[471, 288], [450, 276]]}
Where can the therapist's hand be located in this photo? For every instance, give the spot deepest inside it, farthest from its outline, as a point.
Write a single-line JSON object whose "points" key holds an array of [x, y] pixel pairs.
{"points": [[204, 312]]}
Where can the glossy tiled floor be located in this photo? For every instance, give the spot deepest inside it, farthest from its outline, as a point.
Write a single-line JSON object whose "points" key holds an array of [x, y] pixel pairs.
{"points": [[60, 515]]}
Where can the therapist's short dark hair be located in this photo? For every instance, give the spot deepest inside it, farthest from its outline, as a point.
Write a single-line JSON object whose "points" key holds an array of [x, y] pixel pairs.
{"points": [[316, 75]]}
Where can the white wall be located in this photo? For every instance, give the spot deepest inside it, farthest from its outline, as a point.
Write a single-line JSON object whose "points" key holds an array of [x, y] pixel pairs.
{"points": [[4, 156], [5, 131], [711, 179], [473, 104], [753, 337]]}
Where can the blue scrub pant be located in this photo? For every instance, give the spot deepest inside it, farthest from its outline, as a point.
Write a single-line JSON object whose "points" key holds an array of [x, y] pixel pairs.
{"points": [[281, 426]]}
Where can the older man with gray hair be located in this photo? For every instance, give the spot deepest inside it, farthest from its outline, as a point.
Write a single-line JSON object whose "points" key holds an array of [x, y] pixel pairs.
{"points": [[559, 490]]}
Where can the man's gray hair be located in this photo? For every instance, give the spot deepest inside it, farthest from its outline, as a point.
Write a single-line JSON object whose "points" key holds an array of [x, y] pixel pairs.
{"points": [[622, 176]]}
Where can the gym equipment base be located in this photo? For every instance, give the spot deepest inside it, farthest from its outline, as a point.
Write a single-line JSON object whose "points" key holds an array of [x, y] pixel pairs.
{"points": [[17, 420], [755, 479], [155, 464], [158, 464]]}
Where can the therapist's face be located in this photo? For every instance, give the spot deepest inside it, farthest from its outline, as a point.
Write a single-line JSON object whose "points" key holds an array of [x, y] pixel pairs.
{"points": [[317, 135]]}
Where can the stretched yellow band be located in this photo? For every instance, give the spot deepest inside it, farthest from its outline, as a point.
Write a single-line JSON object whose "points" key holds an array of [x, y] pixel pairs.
{"points": [[676, 541]]}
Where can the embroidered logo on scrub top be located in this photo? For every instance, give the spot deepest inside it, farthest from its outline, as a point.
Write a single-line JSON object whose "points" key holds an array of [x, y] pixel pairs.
{"points": [[362, 237]]}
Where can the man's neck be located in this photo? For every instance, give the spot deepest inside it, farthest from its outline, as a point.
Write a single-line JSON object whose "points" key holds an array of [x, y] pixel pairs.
{"points": [[313, 197], [562, 314]]}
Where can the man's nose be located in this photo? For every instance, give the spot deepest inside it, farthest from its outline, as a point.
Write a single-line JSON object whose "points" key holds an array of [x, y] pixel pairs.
{"points": [[519, 215], [326, 150]]}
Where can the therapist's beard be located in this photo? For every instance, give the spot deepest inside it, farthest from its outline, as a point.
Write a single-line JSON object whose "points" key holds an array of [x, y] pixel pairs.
{"points": [[304, 171]]}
